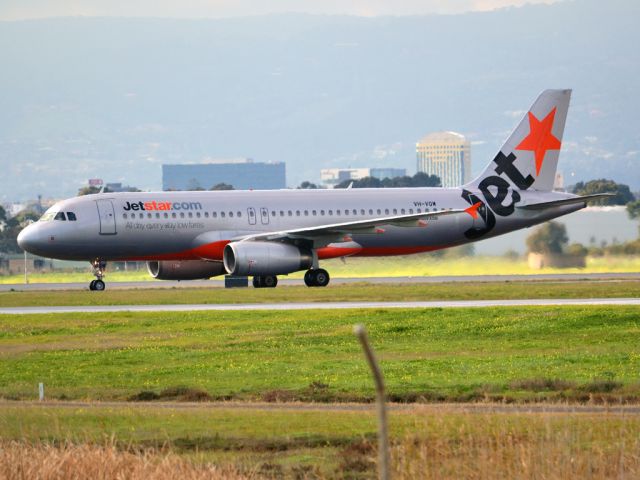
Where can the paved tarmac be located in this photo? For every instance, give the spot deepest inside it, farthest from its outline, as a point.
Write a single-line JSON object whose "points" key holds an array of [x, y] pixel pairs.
{"points": [[319, 305], [433, 408], [219, 283]]}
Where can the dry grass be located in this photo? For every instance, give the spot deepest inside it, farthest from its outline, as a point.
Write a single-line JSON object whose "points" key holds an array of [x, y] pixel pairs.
{"points": [[542, 448], [23, 461]]}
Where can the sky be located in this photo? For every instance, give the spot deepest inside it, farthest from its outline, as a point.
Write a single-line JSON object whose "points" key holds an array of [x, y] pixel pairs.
{"points": [[32, 9]]}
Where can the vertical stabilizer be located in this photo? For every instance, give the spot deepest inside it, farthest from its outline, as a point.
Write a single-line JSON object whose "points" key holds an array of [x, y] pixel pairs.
{"points": [[529, 157]]}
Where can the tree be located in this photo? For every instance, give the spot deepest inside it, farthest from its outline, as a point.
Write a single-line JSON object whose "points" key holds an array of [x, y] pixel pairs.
{"points": [[307, 185], [548, 238], [622, 193], [633, 209], [88, 190], [420, 179], [222, 186]]}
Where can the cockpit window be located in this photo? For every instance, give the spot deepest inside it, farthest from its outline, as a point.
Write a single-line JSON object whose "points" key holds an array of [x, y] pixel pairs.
{"points": [[47, 216], [71, 216], [60, 216]]}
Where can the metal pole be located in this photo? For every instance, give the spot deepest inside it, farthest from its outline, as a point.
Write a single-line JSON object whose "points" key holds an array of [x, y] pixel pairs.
{"points": [[383, 436], [26, 280]]}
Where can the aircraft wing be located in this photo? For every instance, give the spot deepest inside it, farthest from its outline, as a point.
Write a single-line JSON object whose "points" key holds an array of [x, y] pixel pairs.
{"points": [[566, 201], [374, 225]]}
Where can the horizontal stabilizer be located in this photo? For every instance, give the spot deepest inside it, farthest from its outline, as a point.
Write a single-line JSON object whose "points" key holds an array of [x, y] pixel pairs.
{"points": [[566, 201]]}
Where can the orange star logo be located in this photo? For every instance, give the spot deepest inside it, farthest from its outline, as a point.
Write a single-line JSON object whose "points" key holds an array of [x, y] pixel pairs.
{"points": [[540, 138]]}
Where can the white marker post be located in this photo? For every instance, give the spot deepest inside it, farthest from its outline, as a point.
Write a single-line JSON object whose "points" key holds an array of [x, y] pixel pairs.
{"points": [[41, 391], [383, 437]]}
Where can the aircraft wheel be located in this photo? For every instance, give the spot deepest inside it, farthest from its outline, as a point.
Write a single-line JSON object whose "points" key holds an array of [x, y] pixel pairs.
{"points": [[92, 285], [308, 278], [321, 277], [269, 281], [98, 285], [257, 282]]}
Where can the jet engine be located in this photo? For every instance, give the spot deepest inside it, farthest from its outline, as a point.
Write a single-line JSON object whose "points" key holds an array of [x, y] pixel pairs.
{"points": [[265, 258], [184, 269]]}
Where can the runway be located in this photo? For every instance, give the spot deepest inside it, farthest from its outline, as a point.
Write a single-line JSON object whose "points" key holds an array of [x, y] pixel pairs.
{"points": [[432, 408], [319, 305], [219, 282]]}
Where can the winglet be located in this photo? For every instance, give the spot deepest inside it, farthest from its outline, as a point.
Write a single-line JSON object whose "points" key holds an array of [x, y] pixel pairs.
{"points": [[473, 210]]}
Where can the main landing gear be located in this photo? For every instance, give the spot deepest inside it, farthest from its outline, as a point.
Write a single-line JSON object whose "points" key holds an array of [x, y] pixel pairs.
{"points": [[98, 270], [316, 278]]}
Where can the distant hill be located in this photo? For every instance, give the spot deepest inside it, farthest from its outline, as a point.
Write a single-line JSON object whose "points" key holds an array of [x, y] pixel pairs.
{"points": [[115, 98]]}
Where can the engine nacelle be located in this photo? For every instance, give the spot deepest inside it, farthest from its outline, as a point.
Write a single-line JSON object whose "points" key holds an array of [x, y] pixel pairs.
{"points": [[184, 269], [265, 258]]}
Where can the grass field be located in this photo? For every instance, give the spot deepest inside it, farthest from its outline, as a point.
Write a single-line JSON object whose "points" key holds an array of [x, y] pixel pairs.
{"points": [[413, 265], [343, 293], [509, 354], [426, 443]]}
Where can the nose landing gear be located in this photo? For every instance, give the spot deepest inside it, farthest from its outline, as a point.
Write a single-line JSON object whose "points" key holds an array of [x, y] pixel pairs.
{"points": [[98, 270]]}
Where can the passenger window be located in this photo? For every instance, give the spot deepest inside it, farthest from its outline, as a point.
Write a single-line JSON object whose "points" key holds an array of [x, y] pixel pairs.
{"points": [[355, 212], [322, 212], [337, 212], [402, 211], [173, 215], [419, 210], [297, 213], [362, 211], [222, 214], [370, 211], [166, 215], [282, 213], [395, 211], [386, 211], [157, 215], [60, 216], [198, 214], [190, 215], [206, 214], [230, 214], [379, 212], [330, 212], [273, 213], [124, 215], [239, 214], [71, 216], [314, 213], [411, 210], [306, 213], [214, 214], [181, 214], [290, 213]]}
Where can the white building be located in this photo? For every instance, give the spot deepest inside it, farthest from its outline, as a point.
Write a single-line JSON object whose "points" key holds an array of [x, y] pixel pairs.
{"points": [[447, 155]]}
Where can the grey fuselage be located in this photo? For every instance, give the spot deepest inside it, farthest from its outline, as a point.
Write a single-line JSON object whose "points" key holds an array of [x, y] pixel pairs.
{"points": [[197, 225]]}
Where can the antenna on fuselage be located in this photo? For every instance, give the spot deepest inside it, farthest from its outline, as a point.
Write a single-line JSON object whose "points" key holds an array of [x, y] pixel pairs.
{"points": [[350, 185]]}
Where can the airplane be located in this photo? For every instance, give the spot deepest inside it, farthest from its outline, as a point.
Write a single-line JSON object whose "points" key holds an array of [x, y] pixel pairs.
{"points": [[263, 234]]}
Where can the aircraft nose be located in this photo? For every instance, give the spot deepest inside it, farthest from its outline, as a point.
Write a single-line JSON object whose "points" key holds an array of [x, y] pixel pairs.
{"points": [[29, 239]]}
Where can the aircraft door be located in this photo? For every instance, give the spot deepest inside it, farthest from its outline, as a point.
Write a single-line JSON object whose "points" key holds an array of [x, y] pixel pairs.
{"points": [[251, 214], [264, 215], [107, 217]]}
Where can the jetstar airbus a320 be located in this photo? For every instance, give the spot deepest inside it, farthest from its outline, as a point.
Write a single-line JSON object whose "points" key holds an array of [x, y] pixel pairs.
{"points": [[263, 234]]}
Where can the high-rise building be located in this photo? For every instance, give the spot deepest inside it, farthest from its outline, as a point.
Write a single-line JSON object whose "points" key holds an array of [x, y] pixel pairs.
{"points": [[241, 174], [447, 155]]}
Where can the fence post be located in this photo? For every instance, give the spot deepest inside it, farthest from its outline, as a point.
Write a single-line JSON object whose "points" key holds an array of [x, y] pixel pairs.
{"points": [[41, 391], [383, 436]]}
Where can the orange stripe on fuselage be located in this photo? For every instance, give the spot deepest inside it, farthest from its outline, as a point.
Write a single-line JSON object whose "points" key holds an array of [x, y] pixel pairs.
{"points": [[213, 251]]}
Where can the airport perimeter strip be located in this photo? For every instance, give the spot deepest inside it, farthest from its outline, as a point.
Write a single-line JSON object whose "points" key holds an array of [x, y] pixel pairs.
{"points": [[322, 305]]}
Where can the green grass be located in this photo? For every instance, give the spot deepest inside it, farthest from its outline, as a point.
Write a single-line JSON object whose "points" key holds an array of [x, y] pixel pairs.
{"points": [[413, 265], [343, 293], [521, 354]]}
